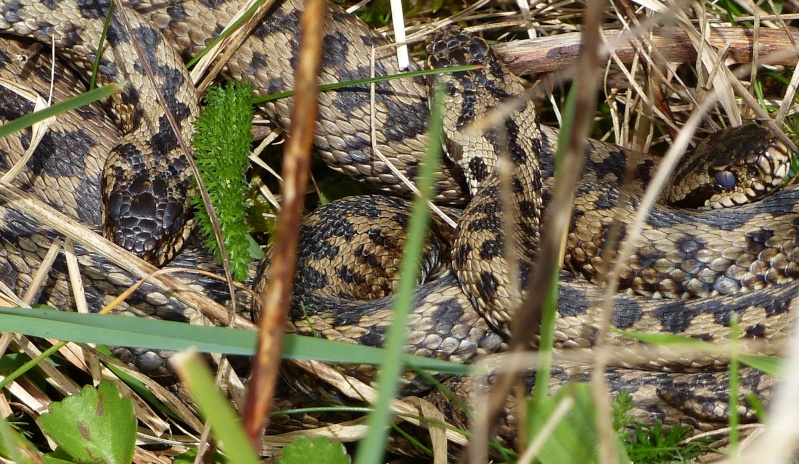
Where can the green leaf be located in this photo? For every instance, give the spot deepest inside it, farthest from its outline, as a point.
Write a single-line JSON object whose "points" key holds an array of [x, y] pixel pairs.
{"points": [[97, 425], [54, 460], [190, 455], [575, 437], [670, 339], [14, 445], [656, 444], [319, 451], [75, 102]]}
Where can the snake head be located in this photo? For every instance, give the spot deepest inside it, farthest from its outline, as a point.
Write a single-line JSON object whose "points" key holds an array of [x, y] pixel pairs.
{"points": [[451, 46], [734, 166], [486, 114], [146, 213]]}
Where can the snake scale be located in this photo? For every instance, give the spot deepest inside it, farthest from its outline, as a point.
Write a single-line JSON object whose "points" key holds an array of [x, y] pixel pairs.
{"points": [[740, 260]]}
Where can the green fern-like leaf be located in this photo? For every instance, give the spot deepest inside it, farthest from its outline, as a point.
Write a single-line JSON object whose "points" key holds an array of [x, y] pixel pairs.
{"points": [[221, 146]]}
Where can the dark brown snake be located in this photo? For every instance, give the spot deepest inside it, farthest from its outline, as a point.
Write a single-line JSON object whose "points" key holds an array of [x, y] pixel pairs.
{"points": [[740, 260]]}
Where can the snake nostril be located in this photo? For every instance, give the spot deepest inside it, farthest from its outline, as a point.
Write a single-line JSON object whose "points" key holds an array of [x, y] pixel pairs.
{"points": [[725, 179]]}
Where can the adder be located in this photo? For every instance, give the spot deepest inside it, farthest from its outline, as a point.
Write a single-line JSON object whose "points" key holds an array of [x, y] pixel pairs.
{"points": [[740, 261]]}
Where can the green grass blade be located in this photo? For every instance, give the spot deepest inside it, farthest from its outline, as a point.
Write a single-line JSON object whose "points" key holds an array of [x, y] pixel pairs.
{"points": [[246, 16], [575, 437], [101, 47], [372, 447], [30, 364], [541, 388], [771, 365], [12, 443], [76, 102], [215, 408], [667, 339], [117, 330], [735, 334], [370, 80]]}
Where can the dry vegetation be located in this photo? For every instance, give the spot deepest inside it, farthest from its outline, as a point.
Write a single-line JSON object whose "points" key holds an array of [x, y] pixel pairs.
{"points": [[661, 62]]}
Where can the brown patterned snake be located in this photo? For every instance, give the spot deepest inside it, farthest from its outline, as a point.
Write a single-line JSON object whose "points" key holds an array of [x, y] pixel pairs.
{"points": [[741, 258]]}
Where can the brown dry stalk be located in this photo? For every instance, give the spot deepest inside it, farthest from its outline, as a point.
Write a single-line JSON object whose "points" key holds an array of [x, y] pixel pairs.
{"points": [[557, 217], [553, 53], [276, 298]]}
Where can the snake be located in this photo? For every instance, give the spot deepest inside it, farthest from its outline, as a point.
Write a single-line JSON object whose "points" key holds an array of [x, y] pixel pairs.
{"points": [[701, 267]]}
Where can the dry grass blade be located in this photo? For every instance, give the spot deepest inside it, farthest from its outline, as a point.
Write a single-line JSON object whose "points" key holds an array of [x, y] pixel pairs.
{"points": [[343, 432], [359, 391], [275, 300], [38, 129], [585, 100], [530, 453], [438, 437], [557, 217], [399, 34], [41, 274], [217, 56]]}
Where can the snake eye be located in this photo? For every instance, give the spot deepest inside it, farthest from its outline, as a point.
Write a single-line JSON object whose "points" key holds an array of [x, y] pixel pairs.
{"points": [[725, 179]]}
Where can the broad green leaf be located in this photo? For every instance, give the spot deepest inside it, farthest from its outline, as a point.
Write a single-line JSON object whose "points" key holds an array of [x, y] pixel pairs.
{"points": [[319, 451], [97, 425], [575, 438]]}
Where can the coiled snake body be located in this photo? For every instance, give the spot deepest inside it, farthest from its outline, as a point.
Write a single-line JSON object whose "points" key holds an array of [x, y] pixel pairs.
{"points": [[742, 258]]}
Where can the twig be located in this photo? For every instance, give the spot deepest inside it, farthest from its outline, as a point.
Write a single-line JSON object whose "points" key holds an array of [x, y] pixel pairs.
{"points": [[275, 299]]}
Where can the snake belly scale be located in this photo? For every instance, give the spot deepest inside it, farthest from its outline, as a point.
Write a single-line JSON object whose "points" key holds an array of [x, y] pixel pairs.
{"points": [[741, 261]]}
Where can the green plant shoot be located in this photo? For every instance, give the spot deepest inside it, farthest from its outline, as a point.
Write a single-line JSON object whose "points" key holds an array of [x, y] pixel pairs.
{"points": [[221, 149]]}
